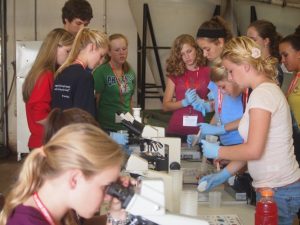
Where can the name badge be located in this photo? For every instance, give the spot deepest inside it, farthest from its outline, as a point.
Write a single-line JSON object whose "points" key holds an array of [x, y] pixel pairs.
{"points": [[118, 119], [190, 121]]}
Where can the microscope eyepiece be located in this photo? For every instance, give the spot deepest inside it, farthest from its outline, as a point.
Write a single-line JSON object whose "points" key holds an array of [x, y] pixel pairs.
{"points": [[124, 194]]}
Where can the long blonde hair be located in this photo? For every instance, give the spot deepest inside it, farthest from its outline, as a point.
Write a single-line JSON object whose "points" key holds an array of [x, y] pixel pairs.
{"points": [[78, 146], [243, 49], [83, 38], [46, 58], [175, 64]]}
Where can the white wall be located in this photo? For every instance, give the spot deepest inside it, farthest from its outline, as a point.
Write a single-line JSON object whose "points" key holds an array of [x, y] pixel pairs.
{"points": [[170, 18], [285, 19]]}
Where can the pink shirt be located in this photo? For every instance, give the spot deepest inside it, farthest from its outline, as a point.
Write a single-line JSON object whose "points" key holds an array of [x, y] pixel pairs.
{"points": [[198, 80]]}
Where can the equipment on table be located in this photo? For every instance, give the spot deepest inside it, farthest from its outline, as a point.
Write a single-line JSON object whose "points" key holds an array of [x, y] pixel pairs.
{"points": [[146, 204], [163, 153]]}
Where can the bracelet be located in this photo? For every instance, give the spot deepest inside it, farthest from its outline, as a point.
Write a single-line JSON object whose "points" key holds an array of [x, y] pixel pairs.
{"points": [[114, 221]]}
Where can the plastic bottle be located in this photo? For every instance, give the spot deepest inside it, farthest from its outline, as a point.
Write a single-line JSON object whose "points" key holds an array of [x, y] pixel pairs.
{"points": [[266, 209], [137, 114]]}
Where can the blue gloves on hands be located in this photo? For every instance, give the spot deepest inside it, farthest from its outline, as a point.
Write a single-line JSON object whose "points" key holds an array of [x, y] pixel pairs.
{"points": [[210, 96], [121, 139], [202, 106], [208, 129], [190, 139], [215, 179], [190, 96], [210, 150]]}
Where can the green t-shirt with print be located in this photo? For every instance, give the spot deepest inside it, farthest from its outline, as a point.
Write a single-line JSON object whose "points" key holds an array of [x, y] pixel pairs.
{"points": [[115, 95]]}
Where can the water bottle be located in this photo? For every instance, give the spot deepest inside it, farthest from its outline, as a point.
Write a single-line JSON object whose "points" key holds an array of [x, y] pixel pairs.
{"points": [[266, 209]]}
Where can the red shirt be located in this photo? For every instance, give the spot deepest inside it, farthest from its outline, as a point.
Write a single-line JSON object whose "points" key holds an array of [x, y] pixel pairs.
{"points": [[38, 107], [198, 80]]}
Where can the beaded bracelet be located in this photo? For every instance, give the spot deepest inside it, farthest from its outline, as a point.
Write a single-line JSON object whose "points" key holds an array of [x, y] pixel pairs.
{"points": [[114, 221]]}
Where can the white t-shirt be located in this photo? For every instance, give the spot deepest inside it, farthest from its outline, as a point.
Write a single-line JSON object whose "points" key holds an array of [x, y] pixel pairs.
{"points": [[278, 166]]}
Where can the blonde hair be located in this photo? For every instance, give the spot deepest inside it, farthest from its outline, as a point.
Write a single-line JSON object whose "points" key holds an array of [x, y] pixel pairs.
{"points": [[218, 73], [84, 37], [78, 146], [46, 58], [243, 49], [126, 66], [175, 64]]}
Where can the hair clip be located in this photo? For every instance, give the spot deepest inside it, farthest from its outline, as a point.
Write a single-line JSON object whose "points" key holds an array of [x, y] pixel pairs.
{"points": [[255, 53]]}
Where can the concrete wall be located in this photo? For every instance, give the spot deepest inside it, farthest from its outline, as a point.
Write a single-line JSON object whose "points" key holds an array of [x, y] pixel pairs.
{"points": [[170, 18]]}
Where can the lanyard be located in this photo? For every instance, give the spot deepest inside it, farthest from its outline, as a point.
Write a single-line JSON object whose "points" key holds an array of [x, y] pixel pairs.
{"points": [[121, 85], [293, 84], [194, 83], [78, 61], [220, 101], [43, 209]]}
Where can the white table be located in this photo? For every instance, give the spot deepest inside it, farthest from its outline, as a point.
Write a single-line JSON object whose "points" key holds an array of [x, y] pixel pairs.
{"points": [[229, 206], [244, 212]]}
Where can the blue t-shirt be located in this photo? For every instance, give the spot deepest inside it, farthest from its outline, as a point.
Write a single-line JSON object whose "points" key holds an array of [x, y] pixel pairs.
{"points": [[232, 109]]}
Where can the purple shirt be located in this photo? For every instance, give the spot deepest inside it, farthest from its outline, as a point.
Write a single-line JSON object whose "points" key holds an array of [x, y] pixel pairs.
{"points": [[198, 80], [26, 215]]}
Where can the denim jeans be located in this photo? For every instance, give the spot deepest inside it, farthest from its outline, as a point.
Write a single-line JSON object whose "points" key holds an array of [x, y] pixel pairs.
{"points": [[287, 199]]}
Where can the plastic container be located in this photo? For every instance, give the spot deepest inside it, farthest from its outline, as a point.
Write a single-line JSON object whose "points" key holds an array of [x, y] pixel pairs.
{"points": [[202, 186], [177, 181], [211, 138], [189, 203], [214, 199], [266, 209], [137, 114]]}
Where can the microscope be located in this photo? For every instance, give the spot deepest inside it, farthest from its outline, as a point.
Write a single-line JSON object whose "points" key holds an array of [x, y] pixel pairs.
{"points": [[145, 204], [160, 151], [162, 155]]}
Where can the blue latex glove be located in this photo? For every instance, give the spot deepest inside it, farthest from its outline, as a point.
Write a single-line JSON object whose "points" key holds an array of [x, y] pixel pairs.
{"points": [[207, 129], [215, 179], [211, 96], [190, 97], [190, 139], [210, 150], [202, 106], [121, 139]]}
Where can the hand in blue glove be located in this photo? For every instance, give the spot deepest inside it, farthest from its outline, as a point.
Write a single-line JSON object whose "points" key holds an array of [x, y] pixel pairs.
{"points": [[202, 106], [190, 97], [121, 139], [210, 150], [190, 139], [211, 96], [215, 179], [208, 129]]}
